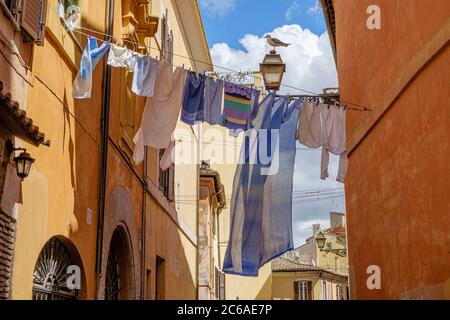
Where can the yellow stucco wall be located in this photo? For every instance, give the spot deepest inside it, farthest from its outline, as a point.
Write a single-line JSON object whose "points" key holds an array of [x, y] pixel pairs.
{"points": [[63, 183]]}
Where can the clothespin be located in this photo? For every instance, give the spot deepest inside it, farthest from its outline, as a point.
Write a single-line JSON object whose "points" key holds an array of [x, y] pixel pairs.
{"points": [[345, 108]]}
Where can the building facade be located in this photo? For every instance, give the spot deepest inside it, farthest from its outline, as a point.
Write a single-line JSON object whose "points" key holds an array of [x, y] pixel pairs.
{"points": [[398, 177], [86, 209], [316, 270]]}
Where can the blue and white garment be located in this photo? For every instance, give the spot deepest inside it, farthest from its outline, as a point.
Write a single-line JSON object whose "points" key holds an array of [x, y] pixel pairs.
{"points": [[253, 242], [277, 207], [193, 109], [82, 86], [144, 79]]}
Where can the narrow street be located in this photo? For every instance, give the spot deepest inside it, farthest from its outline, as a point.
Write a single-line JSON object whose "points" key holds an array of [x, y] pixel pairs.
{"points": [[235, 150]]}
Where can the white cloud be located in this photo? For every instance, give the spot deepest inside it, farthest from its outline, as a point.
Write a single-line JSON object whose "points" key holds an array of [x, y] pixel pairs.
{"points": [[214, 8], [293, 9], [309, 59], [315, 9]]}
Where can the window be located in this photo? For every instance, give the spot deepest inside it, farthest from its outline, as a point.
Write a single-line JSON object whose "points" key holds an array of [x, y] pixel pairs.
{"points": [[128, 120], [324, 290], [340, 292], [10, 5], [50, 273], [160, 278], [166, 179], [303, 290], [30, 15]]}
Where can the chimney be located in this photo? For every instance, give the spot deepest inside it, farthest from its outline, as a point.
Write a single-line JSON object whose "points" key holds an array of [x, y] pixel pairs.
{"points": [[337, 220]]}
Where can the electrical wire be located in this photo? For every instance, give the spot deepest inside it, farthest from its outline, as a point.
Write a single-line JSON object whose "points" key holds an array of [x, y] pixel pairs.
{"points": [[364, 108]]}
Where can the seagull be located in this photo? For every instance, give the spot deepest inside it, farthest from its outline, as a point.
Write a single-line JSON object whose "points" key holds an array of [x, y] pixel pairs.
{"points": [[274, 42]]}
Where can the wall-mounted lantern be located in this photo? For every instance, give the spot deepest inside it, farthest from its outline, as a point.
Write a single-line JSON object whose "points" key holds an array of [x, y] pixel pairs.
{"points": [[23, 161]]}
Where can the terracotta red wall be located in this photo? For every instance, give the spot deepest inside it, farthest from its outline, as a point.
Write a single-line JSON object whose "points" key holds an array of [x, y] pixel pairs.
{"points": [[398, 200]]}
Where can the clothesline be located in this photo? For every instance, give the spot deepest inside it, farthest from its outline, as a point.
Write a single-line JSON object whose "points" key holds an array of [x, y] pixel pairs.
{"points": [[311, 94]]}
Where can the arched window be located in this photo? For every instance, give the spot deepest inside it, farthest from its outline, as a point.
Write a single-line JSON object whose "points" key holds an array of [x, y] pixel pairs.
{"points": [[51, 273]]}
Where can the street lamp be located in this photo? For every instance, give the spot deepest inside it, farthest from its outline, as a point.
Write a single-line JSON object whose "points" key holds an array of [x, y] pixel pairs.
{"points": [[272, 68], [320, 240], [23, 163]]}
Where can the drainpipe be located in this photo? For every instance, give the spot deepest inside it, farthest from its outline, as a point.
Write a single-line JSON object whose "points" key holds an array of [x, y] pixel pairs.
{"points": [[106, 90], [144, 226], [197, 259]]}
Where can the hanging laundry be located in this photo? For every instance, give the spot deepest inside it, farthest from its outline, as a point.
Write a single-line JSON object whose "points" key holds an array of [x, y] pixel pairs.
{"points": [[343, 166], [120, 57], [237, 106], [145, 74], [214, 90], [246, 251], [277, 206], [310, 126], [334, 140], [92, 54], [254, 107], [193, 109], [161, 111]]}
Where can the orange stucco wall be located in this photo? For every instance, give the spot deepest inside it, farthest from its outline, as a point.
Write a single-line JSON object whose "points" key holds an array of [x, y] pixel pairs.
{"points": [[398, 208]]}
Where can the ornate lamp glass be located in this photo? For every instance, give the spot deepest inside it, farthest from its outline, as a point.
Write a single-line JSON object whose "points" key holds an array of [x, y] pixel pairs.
{"points": [[23, 165], [272, 68]]}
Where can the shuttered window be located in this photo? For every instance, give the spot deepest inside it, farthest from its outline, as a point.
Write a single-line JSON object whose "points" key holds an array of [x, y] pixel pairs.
{"points": [[32, 19], [303, 290], [166, 40]]}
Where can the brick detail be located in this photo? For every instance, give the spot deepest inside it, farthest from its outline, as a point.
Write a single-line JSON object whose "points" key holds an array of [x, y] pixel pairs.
{"points": [[7, 236]]}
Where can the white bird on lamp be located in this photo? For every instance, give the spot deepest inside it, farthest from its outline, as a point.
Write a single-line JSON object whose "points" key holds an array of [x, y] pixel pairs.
{"points": [[274, 42]]}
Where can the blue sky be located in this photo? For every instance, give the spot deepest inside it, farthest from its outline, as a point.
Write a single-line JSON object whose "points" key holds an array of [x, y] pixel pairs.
{"points": [[230, 20]]}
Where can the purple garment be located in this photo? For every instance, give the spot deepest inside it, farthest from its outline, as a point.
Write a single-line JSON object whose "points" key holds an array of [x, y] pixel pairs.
{"points": [[213, 100], [193, 109], [238, 90]]}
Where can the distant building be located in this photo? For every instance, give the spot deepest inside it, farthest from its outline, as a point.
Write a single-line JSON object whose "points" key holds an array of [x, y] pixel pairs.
{"points": [[313, 273]]}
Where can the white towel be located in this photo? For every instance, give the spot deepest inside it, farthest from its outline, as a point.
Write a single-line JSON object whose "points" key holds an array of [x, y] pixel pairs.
{"points": [[122, 58], [161, 112], [145, 74]]}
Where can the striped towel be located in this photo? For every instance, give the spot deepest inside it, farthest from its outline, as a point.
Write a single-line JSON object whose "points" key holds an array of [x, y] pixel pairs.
{"points": [[237, 106]]}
